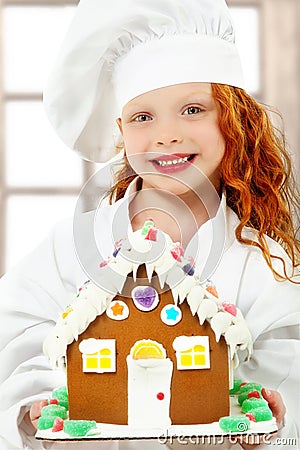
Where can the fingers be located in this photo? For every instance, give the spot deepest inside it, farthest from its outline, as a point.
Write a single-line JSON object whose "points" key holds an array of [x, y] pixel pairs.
{"points": [[276, 404], [35, 411]]}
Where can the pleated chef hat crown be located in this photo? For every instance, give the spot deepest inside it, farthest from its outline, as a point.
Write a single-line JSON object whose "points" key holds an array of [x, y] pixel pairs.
{"points": [[116, 50]]}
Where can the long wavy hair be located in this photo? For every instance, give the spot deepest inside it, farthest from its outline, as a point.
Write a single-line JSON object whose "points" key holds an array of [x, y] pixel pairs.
{"points": [[256, 175]]}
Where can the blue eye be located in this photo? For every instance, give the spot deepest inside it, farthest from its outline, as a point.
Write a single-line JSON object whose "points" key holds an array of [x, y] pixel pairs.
{"points": [[192, 110], [142, 118]]}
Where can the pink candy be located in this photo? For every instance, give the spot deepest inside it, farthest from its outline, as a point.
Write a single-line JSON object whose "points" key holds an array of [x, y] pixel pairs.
{"points": [[177, 252], [104, 263], [251, 417], [151, 235], [58, 425], [230, 308]]}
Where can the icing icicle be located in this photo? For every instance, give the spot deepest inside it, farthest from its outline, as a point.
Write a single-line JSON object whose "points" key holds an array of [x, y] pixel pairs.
{"points": [[166, 259]]}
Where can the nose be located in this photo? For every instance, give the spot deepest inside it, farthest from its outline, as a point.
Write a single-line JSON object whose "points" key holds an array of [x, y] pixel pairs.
{"points": [[167, 142], [167, 135]]}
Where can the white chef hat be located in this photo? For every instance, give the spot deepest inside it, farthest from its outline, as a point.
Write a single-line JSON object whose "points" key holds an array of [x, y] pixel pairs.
{"points": [[116, 50]]}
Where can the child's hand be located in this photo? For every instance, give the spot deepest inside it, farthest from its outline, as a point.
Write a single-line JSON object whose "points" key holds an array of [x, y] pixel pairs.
{"points": [[278, 408], [33, 415], [276, 404]]}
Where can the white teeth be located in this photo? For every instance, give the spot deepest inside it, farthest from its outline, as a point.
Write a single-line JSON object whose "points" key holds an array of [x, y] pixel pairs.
{"points": [[171, 163]]}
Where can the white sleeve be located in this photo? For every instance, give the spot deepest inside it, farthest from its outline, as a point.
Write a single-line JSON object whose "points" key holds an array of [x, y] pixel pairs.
{"points": [[32, 296], [273, 319]]}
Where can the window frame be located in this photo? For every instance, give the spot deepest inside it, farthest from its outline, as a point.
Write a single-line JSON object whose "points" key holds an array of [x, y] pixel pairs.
{"points": [[7, 191], [107, 345]]}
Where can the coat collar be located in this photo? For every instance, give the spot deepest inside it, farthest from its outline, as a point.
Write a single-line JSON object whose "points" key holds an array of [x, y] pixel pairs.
{"points": [[206, 247]]}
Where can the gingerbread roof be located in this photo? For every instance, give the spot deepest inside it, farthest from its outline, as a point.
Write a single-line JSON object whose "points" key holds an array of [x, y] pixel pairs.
{"points": [[163, 257]]}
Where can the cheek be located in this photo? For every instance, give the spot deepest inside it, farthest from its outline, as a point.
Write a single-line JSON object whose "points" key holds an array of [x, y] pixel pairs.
{"points": [[212, 142], [220, 145], [135, 142], [135, 149]]}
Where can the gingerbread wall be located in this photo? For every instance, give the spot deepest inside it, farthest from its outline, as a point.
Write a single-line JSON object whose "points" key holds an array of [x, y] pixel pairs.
{"points": [[197, 396]]}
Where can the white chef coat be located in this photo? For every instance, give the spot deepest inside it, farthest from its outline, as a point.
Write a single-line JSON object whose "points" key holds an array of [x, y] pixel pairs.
{"points": [[37, 290]]}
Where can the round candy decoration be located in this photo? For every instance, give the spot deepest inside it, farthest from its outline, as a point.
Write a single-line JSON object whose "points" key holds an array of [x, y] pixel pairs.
{"points": [[145, 298], [171, 314], [117, 310], [234, 424]]}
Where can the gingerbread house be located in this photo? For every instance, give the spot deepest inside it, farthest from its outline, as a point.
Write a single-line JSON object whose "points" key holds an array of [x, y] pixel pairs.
{"points": [[151, 346]]}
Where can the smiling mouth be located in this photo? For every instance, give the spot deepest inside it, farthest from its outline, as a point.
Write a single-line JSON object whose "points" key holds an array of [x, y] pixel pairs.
{"points": [[173, 160]]}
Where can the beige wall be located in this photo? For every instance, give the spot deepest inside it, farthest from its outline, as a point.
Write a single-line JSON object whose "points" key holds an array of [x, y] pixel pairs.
{"points": [[281, 66]]}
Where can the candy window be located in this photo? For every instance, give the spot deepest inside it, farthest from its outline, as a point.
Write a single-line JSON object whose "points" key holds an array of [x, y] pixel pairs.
{"points": [[100, 361], [192, 352]]}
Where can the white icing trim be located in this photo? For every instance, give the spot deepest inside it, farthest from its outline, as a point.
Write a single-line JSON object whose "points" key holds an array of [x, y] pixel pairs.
{"points": [[183, 343], [93, 300]]}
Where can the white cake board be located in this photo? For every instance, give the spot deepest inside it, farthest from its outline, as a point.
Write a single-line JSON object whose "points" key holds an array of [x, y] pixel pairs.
{"points": [[105, 432]]}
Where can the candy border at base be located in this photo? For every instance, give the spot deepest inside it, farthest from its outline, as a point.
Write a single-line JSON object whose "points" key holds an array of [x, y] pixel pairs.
{"points": [[124, 432]]}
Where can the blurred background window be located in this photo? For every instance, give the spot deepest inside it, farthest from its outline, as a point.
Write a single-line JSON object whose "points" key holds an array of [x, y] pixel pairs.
{"points": [[40, 178]]}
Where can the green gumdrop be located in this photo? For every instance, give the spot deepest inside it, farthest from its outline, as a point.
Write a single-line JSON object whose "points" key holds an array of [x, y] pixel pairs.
{"points": [[61, 395], [262, 413], [78, 427], [243, 396], [249, 387], [62, 402], [54, 411], [236, 387], [252, 403], [61, 391], [46, 422], [234, 424]]}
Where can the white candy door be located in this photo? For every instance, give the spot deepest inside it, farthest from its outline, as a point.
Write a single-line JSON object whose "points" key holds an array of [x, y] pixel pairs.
{"points": [[149, 386]]}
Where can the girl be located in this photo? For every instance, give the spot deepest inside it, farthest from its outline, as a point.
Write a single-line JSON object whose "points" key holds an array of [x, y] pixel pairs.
{"points": [[200, 157]]}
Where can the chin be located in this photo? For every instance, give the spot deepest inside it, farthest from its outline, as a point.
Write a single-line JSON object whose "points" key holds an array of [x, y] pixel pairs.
{"points": [[165, 183]]}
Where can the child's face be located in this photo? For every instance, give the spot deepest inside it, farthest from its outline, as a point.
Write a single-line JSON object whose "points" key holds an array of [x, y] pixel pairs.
{"points": [[172, 132]]}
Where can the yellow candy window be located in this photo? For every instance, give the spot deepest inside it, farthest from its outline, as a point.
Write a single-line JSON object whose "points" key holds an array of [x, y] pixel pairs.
{"points": [[101, 361], [91, 363], [195, 357]]}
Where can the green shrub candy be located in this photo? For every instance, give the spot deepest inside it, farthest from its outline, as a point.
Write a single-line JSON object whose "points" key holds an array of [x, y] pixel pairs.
{"points": [[248, 387], [234, 424], [61, 395], [262, 413], [252, 403], [236, 387], [54, 411], [244, 395], [46, 422], [78, 427]]}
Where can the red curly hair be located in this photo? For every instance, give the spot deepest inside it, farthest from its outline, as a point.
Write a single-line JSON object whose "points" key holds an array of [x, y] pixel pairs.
{"points": [[256, 175]]}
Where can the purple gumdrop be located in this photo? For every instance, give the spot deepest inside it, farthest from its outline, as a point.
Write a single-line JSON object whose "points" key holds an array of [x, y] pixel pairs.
{"points": [[116, 251], [189, 269], [145, 297]]}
